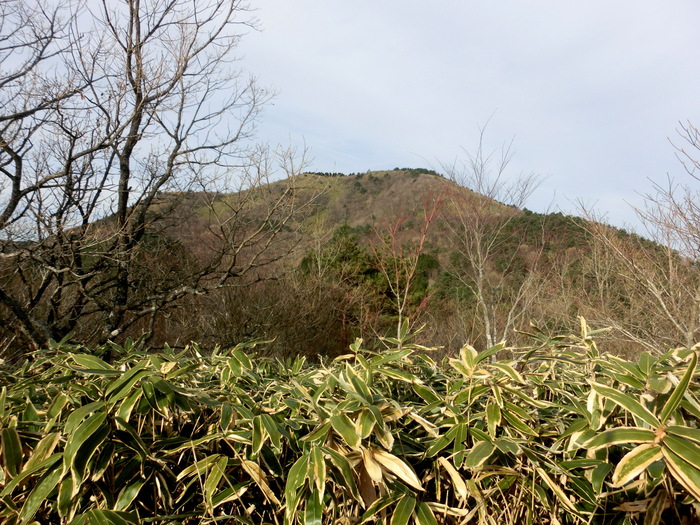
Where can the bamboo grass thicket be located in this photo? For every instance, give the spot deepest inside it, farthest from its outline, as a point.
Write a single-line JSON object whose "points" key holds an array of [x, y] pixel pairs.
{"points": [[554, 433]]}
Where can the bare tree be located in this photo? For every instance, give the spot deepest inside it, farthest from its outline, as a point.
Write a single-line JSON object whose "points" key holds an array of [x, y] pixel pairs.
{"points": [[397, 257], [482, 207], [661, 296], [104, 109]]}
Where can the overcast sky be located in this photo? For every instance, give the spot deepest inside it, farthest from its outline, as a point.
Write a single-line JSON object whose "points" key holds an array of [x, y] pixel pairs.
{"points": [[590, 91]]}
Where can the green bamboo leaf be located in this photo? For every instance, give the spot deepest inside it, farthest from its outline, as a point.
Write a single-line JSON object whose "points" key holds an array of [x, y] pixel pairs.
{"points": [[82, 433], [127, 406], [511, 372], [460, 437], [580, 463], [199, 468], [242, 357], [128, 494], [167, 394], [83, 444], [42, 450], [646, 362], [426, 393], [476, 434], [690, 433], [498, 396], [580, 488], [294, 485], [133, 441], [619, 436], [379, 505], [39, 495], [628, 403], [379, 416], [92, 362], [318, 435], [679, 391], [424, 514], [690, 405], [399, 375], [628, 380], [106, 517], [515, 409], [598, 475], [57, 405], [343, 426], [517, 423], [79, 414], [30, 471], [149, 392], [508, 446], [660, 384], [404, 509], [430, 428], [479, 454], [85, 453], [557, 491], [526, 397], [685, 473], [226, 416], [341, 463], [461, 367], [458, 483], [493, 418], [65, 500], [259, 436], [489, 352], [318, 469], [635, 462], [11, 451], [397, 467], [314, 509], [389, 357], [260, 478], [624, 366], [120, 388], [685, 448], [272, 429], [211, 484], [443, 441], [470, 394], [358, 383], [364, 424]]}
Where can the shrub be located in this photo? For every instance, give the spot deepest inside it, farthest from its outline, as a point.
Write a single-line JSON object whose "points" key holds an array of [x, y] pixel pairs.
{"points": [[555, 432]]}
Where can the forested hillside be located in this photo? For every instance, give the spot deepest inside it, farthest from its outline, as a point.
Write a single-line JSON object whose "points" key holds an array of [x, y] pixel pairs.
{"points": [[313, 261]]}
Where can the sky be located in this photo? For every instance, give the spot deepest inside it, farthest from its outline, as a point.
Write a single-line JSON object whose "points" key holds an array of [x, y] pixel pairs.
{"points": [[591, 94]]}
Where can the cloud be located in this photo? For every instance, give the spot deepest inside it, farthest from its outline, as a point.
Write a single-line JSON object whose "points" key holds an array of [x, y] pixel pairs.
{"points": [[589, 90]]}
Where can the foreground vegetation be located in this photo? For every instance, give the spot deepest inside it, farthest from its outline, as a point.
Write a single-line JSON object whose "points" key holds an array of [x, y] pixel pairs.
{"points": [[554, 433]]}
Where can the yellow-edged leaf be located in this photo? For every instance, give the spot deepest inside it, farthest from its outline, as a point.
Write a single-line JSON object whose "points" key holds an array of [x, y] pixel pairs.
{"points": [[397, 467], [620, 435], [373, 468], [635, 462], [260, 479], [686, 474], [458, 483]]}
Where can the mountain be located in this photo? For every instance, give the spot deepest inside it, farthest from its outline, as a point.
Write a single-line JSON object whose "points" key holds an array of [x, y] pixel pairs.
{"points": [[312, 262], [325, 284]]}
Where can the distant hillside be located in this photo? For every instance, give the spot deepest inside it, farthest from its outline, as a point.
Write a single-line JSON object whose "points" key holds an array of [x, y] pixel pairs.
{"points": [[326, 288], [312, 262]]}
